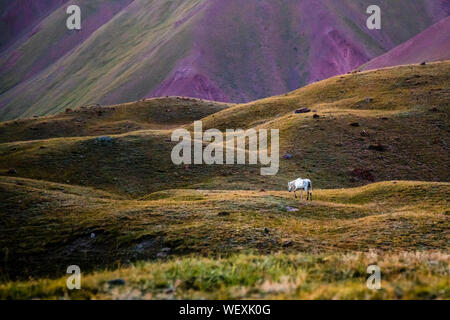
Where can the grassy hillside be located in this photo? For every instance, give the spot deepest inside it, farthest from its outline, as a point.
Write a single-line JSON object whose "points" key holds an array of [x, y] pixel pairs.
{"points": [[69, 196], [48, 226], [390, 106], [390, 91], [279, 276], [95, 120]]}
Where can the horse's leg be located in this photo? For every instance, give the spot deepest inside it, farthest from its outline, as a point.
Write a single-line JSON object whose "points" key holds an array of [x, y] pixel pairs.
{"points": [[301, 195], [295, 195]]}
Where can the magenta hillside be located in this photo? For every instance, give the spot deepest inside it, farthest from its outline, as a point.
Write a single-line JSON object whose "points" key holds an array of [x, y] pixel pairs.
{"points": [[128, 50], [432, 44]]}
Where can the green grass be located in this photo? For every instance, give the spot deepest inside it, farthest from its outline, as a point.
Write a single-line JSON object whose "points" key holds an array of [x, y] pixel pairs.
{"points": [[148, 114], [405, 275], [326, 149], [58, 220], [214, 218]]}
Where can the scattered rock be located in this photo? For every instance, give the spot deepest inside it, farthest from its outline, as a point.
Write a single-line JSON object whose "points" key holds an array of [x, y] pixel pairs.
{"points": [[364, 133], [42, 147], [287, 156], [302, 110], [287, 243], [354, 124], [169, 290], [116, 282], [363, 174], [165, 250], [161, 255], [369, 100], [104, 140], [223, 214], [149, 244], [434, 109], [316, 116], [262, 190], [266, 230], [423, 63], [12, 171], [398, 292], [291, 209], [68, 110], [377, 147], [92, 235]]}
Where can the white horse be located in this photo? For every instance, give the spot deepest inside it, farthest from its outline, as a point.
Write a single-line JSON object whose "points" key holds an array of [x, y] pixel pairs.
{"points": [[301, 184]]}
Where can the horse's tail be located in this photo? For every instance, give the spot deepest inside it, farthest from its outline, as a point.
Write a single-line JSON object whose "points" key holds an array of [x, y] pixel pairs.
{"points": [[310, 185]]}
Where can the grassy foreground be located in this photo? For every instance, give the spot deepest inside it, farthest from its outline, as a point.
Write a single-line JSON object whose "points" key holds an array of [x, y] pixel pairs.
{"points": [[214, 243], [405, 275], [68, 197], [49, 226]]}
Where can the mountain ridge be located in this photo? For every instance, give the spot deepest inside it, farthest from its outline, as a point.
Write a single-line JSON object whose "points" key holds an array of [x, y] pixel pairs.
{"points": [[433, 44], [247, 52]]}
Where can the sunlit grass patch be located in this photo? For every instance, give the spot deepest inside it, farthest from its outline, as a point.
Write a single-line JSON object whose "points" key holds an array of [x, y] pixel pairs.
{"points": [[405, 275]]}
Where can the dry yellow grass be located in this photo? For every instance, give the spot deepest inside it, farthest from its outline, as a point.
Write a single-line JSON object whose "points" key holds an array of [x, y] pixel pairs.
{"points": [[404, 275], [66, 186], [48, 225], [156, 114]]}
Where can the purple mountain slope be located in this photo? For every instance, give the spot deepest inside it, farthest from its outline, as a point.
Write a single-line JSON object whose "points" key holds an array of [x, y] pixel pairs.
{"points": [[46, 45], [233, 50], [432, 44], [20, 16], [291, 44]]}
